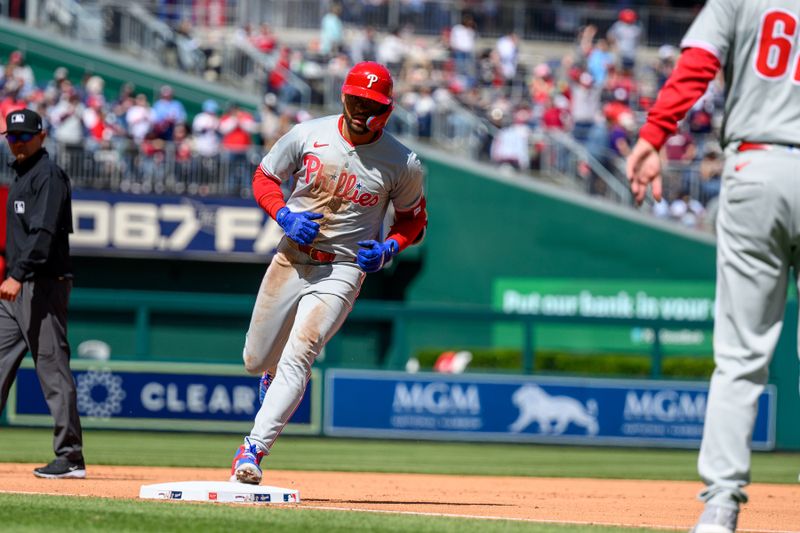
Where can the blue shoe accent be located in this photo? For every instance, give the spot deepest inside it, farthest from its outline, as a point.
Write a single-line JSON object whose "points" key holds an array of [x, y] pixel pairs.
{"points": [[263, 384], [246, 463]]}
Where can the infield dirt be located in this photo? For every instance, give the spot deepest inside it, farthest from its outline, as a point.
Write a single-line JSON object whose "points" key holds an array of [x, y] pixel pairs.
{"points": [[667, 504]]}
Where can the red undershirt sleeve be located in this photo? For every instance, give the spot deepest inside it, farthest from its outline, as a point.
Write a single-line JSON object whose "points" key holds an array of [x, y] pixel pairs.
{"points": [[267, 192], [408, 225], [688, 82]]}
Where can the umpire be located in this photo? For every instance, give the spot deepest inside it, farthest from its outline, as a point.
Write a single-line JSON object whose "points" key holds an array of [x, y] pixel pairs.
{"points": [[34, 296]]}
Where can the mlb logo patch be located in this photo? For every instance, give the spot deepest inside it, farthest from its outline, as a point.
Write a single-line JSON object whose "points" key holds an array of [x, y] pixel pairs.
{"points": [[19, 207], [17, 118]]}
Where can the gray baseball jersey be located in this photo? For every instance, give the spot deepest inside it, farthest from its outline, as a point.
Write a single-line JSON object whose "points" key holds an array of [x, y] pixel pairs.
{"points": [[756, 41], [350, 185], [301, 302], [758, 225]]}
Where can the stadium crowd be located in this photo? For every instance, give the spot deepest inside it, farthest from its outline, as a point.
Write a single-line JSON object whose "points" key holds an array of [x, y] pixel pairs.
{"points": [[586, 104]]}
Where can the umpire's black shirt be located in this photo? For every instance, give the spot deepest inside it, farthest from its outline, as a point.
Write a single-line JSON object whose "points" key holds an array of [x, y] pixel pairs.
{"points": [[39, 220]]}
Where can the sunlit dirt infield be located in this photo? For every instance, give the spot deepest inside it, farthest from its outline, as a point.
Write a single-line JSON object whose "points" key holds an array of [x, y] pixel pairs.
{"points": [[666, 504]]}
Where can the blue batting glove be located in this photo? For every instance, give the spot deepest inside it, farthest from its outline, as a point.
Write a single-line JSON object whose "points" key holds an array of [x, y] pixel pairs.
{"points": [[373, 254], [300, 227]]}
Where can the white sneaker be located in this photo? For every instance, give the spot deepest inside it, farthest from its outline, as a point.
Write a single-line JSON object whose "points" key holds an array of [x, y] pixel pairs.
{"points": [[716, 519]]}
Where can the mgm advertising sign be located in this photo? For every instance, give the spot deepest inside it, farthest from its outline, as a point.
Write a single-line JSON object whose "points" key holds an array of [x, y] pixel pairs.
{"points": [[627, 299]]}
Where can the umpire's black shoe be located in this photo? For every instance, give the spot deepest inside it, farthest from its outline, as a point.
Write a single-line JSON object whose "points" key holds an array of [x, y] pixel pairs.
{"points": [[61, 467]]}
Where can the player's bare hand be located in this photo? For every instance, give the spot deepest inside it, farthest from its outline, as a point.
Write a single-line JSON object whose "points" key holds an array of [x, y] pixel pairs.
{"points": [[644, 169], [9, 289], [300, 227]]}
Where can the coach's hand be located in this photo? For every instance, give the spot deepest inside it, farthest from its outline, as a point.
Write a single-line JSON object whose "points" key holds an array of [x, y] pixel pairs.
{"points": [[300, 227], [373, 254], [643, 169]]}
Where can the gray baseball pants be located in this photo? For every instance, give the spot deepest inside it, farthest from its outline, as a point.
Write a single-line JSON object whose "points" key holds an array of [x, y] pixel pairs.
{"points": [[37, 322], [300, 305], [758, 241]]}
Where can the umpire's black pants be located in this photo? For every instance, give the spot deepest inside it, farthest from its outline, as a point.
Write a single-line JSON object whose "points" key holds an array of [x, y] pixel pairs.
{"points": [[37, 322]]}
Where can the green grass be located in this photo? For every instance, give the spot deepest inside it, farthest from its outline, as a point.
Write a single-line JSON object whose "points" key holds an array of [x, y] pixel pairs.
{"points": [[72, 514], [348, 455]]}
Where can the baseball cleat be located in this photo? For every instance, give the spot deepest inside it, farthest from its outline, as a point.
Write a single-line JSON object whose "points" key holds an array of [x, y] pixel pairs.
{"points": [[716, 519], [61, 468], [263, 384], [246, 463]]}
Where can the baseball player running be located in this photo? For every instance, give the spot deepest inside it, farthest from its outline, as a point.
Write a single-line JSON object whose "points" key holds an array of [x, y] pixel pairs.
{"points": [[758, 226], [346, 170]]}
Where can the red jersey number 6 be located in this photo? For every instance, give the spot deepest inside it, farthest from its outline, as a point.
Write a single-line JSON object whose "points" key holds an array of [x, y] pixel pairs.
{"points": [[776, 38]]}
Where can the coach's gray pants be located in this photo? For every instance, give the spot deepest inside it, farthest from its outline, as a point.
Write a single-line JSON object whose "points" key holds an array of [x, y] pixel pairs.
{"points": [[300, 305], [37, 322], [758, 240]]}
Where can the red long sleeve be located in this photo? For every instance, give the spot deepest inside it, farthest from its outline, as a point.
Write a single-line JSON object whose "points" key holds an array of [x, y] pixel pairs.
{"points": [[408, 225], [688, 82], [267, 192]]}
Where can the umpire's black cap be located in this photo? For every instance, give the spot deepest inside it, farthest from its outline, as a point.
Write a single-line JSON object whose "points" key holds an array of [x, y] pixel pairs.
{"points": [[23, 121]]}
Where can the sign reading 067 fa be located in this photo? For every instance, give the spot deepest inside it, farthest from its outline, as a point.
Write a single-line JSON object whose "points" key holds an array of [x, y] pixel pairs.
{"points": [[190, 227], [522, 409], [167, 396]]}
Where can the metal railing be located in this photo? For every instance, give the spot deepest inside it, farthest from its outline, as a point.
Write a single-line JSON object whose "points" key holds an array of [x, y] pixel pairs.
{"points": [[559, 21], [144, 35], [249, 68], [72, 19]]}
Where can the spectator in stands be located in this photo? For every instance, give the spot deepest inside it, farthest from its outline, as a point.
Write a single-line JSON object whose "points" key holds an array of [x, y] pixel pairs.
{"points": [[269, 122], [599, 60], [686, 210], [622, 127], [365, 46], [507, 48], [597, 145], [585, 105], [542, 85], [207, 142], [183, 149], [624, 34], [391, 52], [167, 112], [617, 105], [139, 118], [679, 152], [10, 100], [512, 144], [16, 69], [59, 81], [710, 175], [190, 57], [665, 64], [66, 119], [331, 37], [237, 127], [205, 128], [264, 40], [556, 115], [420, 102], [462, 48], [94, 122], [150, 172]]}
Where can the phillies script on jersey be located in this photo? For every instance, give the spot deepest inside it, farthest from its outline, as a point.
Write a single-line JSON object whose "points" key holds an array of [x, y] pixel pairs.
{"points": [[345, 185]]}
